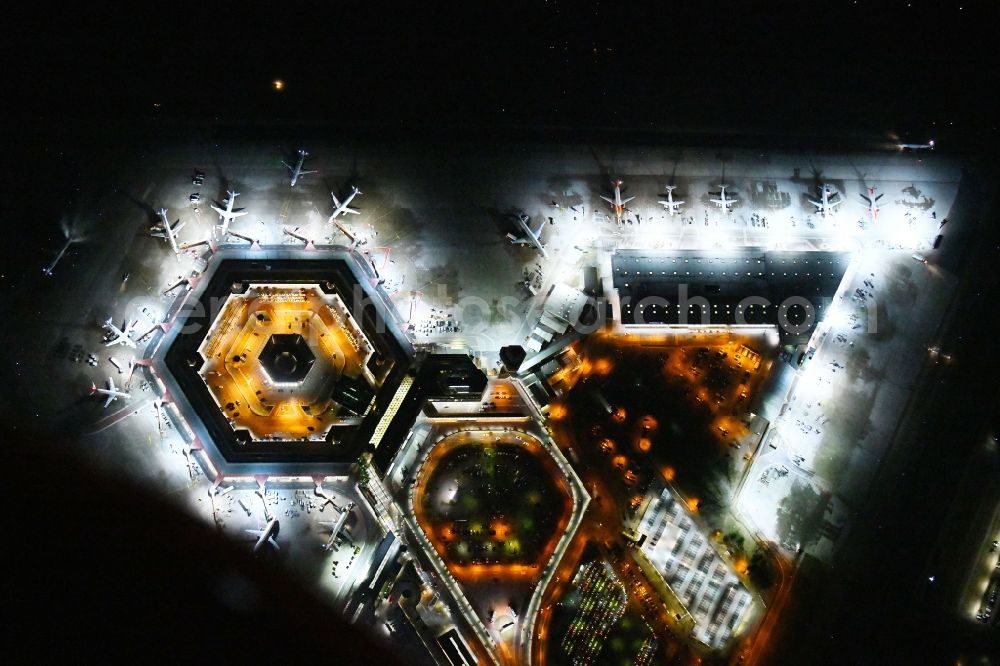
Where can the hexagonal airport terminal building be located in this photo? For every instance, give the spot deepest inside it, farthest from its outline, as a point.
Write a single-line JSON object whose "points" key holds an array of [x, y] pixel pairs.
{"points": [[281, 366], [287, 362], [486, 493]]}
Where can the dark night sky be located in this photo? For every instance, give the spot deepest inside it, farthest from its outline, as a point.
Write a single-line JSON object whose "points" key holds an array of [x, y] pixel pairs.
{"points": [[855, 65]]}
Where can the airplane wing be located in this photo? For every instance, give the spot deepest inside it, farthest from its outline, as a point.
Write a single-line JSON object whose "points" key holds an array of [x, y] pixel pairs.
{"points": [[111, 392], [625, 201], [288, 166], [352, 211], [260, 533], [238, 213], [608, 199], [302, 173]]}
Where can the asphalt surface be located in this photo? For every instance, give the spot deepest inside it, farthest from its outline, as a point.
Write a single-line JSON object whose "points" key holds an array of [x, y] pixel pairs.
{"points": [[877, 604]]}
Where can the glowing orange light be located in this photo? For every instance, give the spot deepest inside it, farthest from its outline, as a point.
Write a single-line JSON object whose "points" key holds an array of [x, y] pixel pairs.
{"points": [[278, 85], [644, 444], [692, 503], [669, 473], [501, 529]]}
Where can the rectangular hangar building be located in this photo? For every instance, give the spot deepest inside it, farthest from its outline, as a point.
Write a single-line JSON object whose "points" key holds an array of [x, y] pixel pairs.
{"points": [[728, 287]]}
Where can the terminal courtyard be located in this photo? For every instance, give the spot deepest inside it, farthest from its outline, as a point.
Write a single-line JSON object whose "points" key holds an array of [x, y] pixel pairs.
{"points": [[491, 501]]}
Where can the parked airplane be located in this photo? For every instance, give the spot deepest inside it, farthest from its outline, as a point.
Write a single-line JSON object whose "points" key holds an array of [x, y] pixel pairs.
{"points": [[341, 208], [296, 171], [266, 536], [123, 335], [617, 203], [533, 238], [872, 199], [671, 205], [228, 214], [336, 526], [723, 202], [824, 205], [111, 391], [165, 230]]}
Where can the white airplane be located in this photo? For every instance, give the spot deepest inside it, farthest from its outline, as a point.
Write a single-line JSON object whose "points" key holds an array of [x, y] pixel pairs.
{"points": [[824, 205], [123, 335], [872, 199], [336, 526], [533, 238], [341, 208], [723, 202], [296, 171], [916, 146], [165, 230], [229, 213], [266, 536], [617, 203], [111, 391], [671, 205]]}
